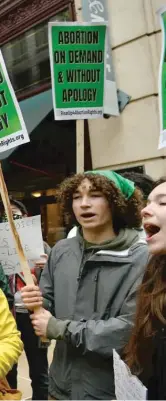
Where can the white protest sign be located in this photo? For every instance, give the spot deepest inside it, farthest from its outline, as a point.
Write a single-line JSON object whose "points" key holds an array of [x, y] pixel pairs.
{"points": [[29, 230], [127, 386]]}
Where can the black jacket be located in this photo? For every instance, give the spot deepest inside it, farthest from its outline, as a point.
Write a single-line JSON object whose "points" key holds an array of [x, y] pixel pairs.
{"points": [[156, 382]]}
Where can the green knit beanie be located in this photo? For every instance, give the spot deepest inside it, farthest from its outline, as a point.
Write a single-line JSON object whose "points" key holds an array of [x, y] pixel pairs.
{"points": [[126, 186]]}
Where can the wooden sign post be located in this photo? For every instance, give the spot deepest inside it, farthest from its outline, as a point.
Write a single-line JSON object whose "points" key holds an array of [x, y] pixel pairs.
{"points": [[79, 123], [80, 146]]}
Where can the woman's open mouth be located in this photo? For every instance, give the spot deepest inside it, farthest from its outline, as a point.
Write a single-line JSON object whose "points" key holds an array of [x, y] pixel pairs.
{"points": [[151, 230]]}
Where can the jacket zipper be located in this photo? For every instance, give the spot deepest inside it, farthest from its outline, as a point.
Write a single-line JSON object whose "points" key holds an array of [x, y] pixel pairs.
{"points": [[81, 267], [96, 291]]}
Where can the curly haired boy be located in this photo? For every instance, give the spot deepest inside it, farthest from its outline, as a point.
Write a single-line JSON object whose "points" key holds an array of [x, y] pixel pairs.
{"points": [[91, 282]]}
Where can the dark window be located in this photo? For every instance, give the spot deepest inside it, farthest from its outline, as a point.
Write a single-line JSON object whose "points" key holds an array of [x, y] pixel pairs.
{"points": [[41, 38], [22, 79], [27, 56], [137, 169], [19, 50], [44, 68]]}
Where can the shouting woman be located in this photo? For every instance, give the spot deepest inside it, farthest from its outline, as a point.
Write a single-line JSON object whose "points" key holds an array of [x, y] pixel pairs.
{"points": [[145, 353]]}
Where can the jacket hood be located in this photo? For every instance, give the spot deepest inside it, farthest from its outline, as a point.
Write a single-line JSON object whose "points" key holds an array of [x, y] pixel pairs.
{"points": [[124, 240]]}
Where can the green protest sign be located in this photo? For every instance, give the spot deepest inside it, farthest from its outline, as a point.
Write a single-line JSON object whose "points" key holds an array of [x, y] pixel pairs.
{"points": [[77, 57], [12, 127], [162, 81]]}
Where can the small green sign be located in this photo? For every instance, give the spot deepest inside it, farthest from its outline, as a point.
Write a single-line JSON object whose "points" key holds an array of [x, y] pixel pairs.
{"points": [[77, 57], [12, 127]]}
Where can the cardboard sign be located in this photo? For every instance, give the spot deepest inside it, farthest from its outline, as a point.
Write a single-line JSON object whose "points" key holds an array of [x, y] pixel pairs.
{"points": [[127, 386], [29, 230], [77, 56]]}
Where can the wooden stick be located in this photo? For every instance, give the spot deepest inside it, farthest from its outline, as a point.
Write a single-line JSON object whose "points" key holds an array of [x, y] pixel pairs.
{"points": [[79, 123], [80, 145]]}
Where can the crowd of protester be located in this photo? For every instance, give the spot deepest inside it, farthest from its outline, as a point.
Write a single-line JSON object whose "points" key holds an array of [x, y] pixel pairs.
{"points": [[101, 288]]}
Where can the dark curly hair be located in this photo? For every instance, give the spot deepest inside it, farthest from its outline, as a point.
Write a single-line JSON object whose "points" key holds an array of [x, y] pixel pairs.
{"points": [[143, 181], [125, 213]]}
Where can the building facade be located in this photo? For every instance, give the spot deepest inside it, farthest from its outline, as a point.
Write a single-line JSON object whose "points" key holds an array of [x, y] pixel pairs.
{"points": [[119, 143], [33, 171], [24, 41], [131, 140]]}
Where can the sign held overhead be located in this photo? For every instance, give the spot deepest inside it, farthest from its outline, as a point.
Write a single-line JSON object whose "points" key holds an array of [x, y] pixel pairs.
{"points": [[77, 56], [13, 131]]}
